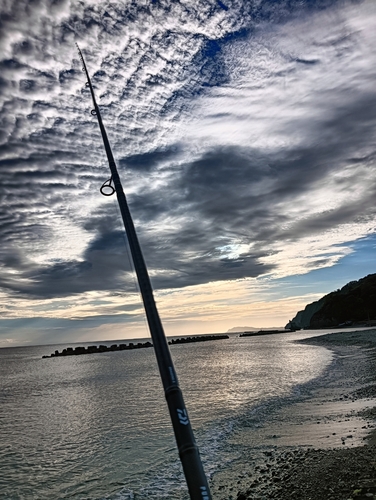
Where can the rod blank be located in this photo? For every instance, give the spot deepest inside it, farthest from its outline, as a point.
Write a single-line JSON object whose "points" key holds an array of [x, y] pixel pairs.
{"points": [[188, 451]]}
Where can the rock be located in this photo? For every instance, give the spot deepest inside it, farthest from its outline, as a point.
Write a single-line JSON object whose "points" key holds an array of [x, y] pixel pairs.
{"points": [[241, 496]]}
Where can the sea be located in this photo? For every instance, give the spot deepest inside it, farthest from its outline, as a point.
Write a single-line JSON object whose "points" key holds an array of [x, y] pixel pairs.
{"points": [[97, 427]]}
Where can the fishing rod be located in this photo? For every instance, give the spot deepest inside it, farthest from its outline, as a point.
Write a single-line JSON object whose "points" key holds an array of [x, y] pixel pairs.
{"points": [[188, 451]]}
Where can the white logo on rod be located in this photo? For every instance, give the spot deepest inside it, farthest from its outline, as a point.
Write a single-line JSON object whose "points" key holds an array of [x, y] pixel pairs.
{"points": [[183, 417], [204, 493]]}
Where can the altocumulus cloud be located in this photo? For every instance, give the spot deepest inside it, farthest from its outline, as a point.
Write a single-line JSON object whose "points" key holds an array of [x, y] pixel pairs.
{"points": [[244, 133]]}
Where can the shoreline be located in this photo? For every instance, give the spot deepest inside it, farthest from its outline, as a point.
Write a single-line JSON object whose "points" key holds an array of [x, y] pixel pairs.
{"points": [[322, 447]]}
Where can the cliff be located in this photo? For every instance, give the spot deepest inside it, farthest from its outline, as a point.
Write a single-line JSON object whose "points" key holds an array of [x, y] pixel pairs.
{"points": [[354, 303]]}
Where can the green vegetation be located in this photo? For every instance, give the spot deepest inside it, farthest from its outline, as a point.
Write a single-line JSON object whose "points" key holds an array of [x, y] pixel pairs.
{"points": [[354, 304]]}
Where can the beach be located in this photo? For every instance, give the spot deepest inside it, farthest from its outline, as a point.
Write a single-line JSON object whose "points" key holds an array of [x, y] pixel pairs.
{"points": [[321, 448]]}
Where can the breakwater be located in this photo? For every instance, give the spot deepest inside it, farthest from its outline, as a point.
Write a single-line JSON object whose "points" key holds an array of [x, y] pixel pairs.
{"points": [[93, 349], [264, 332], [201, 338]]}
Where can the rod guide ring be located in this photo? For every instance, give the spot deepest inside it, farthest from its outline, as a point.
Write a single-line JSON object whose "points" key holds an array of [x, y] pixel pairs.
{"points": [[107, 189]]}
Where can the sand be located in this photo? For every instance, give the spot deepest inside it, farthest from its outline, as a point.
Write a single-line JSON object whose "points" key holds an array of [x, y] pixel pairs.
{"points": [[322, 448]]}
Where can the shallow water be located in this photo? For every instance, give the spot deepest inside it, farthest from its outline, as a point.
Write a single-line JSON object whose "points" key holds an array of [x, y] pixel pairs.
{"points": [[97, 426]]}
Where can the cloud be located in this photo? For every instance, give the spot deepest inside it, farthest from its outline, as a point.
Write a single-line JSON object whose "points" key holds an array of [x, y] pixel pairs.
{"points": [[244, 134]]}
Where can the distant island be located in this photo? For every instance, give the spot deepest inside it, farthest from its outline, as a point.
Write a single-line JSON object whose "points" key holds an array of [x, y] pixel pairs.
{"points": [[354, 304]]}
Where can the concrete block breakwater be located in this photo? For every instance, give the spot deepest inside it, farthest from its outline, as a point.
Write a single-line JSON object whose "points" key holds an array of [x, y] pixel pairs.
{"points": [[264, 332], [93, 349], [201, 338]]}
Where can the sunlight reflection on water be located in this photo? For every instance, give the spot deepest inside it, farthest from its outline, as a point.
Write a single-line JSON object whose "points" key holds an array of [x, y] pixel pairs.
{"points": [[93, 426]]}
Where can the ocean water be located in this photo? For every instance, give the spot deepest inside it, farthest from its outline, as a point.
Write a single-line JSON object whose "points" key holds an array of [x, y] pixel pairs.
{"points": [[97, 426]]}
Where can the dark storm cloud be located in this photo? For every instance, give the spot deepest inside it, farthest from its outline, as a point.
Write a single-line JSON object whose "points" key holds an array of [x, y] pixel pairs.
{"points": [[149, 160], [191, 203], [218, 188], [105, 270]]}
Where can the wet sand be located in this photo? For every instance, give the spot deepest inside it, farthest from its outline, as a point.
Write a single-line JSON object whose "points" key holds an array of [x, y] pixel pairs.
{"points": [[322, 448]]}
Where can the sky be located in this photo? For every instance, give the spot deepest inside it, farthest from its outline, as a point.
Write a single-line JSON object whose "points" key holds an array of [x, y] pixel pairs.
{"points": [[245, 138]]}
